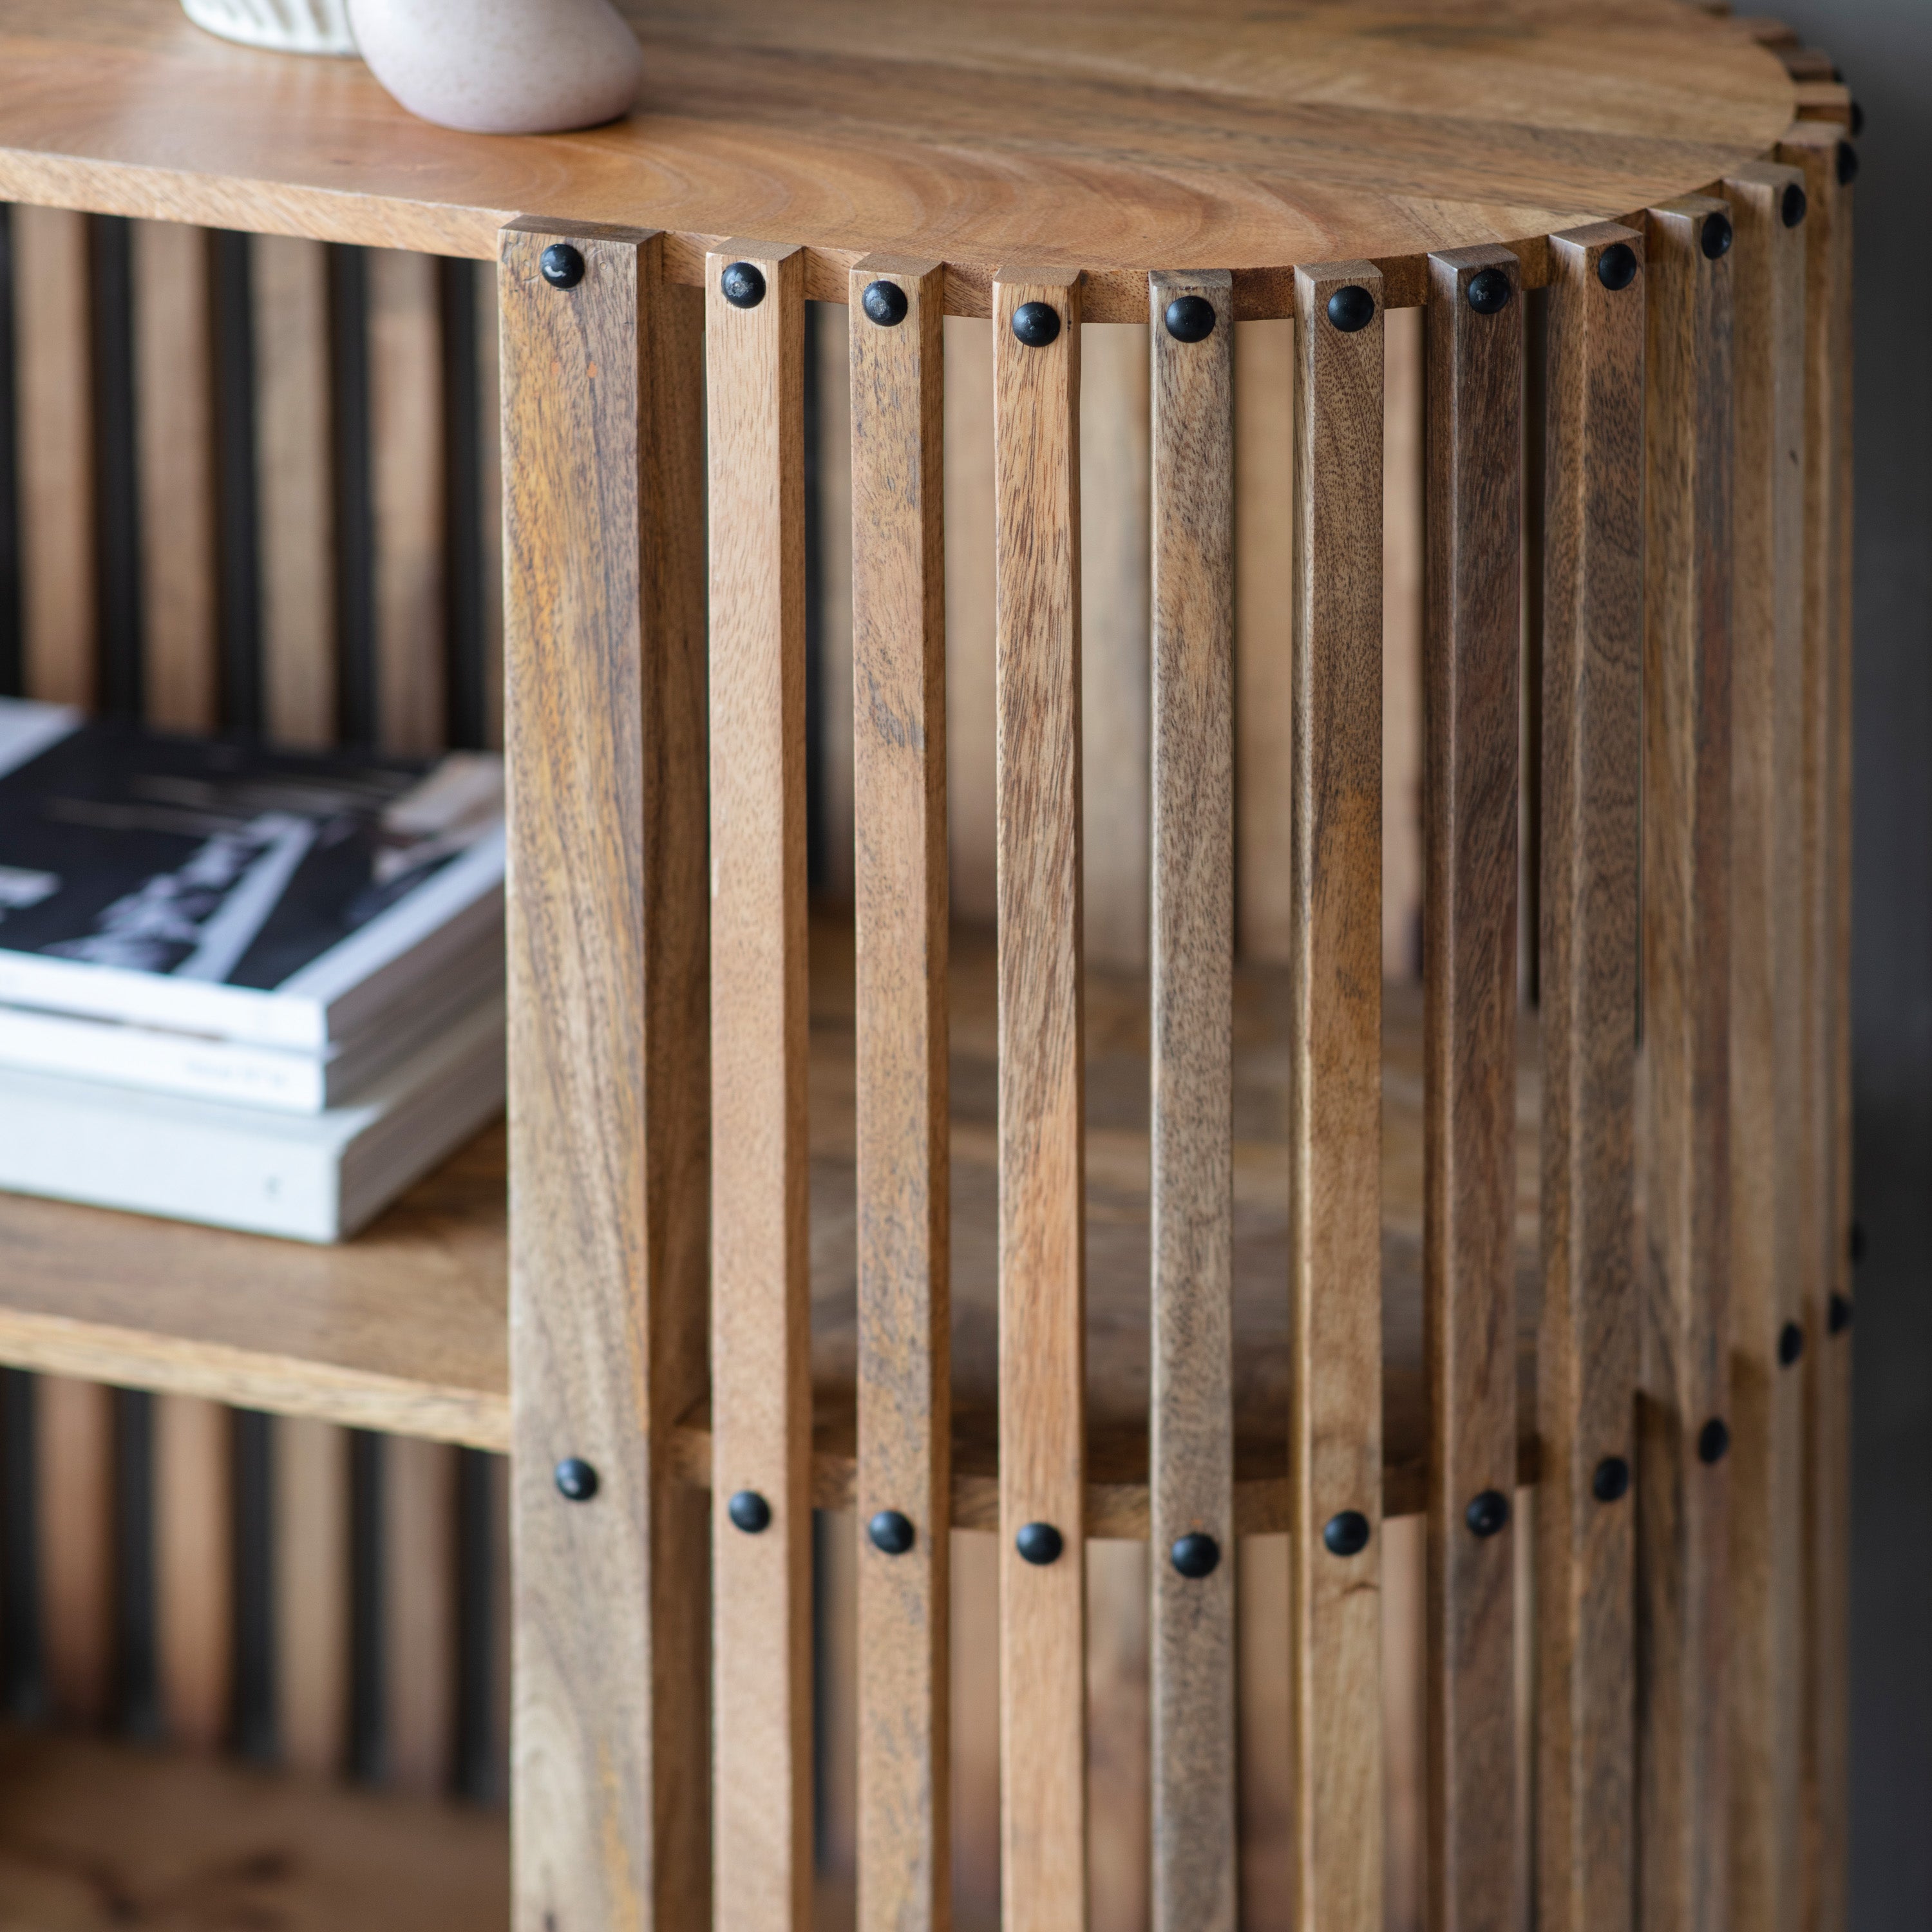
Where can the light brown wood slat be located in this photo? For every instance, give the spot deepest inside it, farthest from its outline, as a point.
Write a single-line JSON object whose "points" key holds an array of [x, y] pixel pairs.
{"points": [[1334, 1109], [1767, 963], [1042, 1162], [174, 443], [490, 453], [310, 1554], [194, 1567], [73, 1504], [1120, 1810], [1684, 1177], [1587, 1342], [604, 598], [1191, 1039], [418, 1643], [55, 444], [294, 498], [905, 1423], [761, 1292], [1472, 672]]}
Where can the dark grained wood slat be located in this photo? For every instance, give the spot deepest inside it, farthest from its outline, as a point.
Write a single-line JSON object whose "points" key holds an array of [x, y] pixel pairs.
{"points": [[1335, 1438], [1587, 1343], [761, 1307], [1042, 1157], [1683, 1178], [905, 1418], [1192, 1200], [605, 679], [1471, 674]]}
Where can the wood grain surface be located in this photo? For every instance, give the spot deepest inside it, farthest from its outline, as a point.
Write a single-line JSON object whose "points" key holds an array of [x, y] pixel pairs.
{"points": [[1191, 1199], [1115, 140], [760, 1316], [1334, 1095], [1684, 1175], [1767, 1058], [604, 675], [1587, 1347], [903, 1233], [194, 1568], [76, 1571], [1471, 670], [1041, 1106], [312, 1584], [418, 1614]]}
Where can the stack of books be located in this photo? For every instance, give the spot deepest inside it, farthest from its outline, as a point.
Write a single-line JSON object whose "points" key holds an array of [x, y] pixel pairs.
{"points": [[256, 987]]}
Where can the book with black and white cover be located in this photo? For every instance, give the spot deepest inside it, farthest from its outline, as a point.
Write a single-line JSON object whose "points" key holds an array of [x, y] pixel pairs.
{"points": [[310, 1177], [285, 898]]}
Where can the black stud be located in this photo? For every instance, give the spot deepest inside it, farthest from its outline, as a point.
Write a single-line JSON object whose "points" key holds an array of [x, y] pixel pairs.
{"points": [[1715, 241], [1790, 1344], [1195, 1555], [1792, 205], [1838, 1314], [1616, 266], [1855, 1242], [1035, 324], [563, 266], [888, 1530], [742, 285], [1350, 307], [1857, 118], [576, 1480], [1609, 1482], [886, 304], [1714, 1441], [1848, 164], [1489, 292], [1189, 318], [749, 1511], [1346, 1534], [1039, 1542], [1487, 1512]]}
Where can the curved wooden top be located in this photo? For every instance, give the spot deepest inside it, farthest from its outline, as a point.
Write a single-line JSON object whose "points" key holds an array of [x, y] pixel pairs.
{"points": [[1113, 136]]}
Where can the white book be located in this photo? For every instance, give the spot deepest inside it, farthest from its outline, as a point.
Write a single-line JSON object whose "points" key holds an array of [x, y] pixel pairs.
{"points": [[310, 1177], [293, 899]]}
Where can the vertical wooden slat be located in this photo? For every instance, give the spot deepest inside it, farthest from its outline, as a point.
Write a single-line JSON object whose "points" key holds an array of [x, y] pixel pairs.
{"points": [[1120, 1808], [1192, 1435], [970, 760], [1469, 960], [419, 1585], [1335, 1100], [1587, 1343], [1683, 1143], [1767, 1130], [760, 1383], [74, 1468], [898, 729], [606, 950], [1403, 553], [489, 454], [828, 345], [1042, 1210], [310, 1510], [194, 1567]]}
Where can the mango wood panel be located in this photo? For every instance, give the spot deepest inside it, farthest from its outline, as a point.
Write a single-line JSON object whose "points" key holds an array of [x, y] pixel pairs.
{"points": [[607, 1077], [1471, 669], [1334, 1084], [1253, 141], [1192, 1195], [1587, 1347], [1684, 1175]]}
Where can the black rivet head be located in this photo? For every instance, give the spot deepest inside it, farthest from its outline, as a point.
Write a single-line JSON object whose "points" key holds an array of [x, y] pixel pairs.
{"points": [[749, 1511], [1345, 1534], [576, 1480], [1714, 1441], [1488, 291], [562, 266], [1616, 266], [891, 1532], [1848, 164], [1857, 118], [1039, 1542], [742, 285], [1195, 1555], [1790, 1344], [1715, 238], [1792, 205], [1036, 323], [885, 303], [1350, 307], [1838, 1314], [1609, 1482], [1487, 1512], [1189, 318]]}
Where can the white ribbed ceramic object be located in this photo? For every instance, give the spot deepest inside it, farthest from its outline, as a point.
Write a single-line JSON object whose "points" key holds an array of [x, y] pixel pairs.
{"points": [[288, 26], [502, 67]]}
